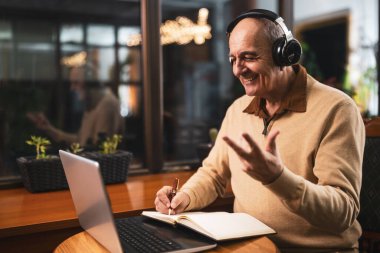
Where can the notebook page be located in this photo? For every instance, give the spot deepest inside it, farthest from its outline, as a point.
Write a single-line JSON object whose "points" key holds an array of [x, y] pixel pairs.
{"points": [[223, 225]]}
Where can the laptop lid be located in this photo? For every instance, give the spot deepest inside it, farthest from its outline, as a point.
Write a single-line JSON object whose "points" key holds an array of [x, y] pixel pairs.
{"points": [[93, 210]]}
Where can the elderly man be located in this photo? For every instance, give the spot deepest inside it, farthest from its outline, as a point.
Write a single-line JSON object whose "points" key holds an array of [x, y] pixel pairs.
{"points": [[291, 147]]}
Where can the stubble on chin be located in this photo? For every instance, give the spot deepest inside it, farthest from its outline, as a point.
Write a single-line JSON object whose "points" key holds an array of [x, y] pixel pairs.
{"points": [[250, 91]]}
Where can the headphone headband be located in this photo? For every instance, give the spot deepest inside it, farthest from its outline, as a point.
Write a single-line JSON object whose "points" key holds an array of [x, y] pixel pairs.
{"points": [[256, 13], [261, 13]]}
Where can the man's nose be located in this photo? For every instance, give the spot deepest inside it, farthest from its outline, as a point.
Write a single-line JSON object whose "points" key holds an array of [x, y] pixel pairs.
{"points": [[239, 67]]}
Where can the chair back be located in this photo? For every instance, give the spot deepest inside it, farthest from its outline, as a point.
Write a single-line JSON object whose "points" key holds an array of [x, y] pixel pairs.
{"points": [[369, 216], [372, 127]]}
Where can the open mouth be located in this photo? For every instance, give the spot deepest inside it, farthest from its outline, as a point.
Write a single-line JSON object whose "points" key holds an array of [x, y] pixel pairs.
{"points": [[250, 78]]}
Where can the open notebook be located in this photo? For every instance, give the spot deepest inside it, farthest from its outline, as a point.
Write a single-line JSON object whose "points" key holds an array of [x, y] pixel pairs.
{"points": [[216, 225]]}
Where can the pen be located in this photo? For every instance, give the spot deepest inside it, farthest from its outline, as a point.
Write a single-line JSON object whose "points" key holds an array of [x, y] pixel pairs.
{"points": [[173, 192]]}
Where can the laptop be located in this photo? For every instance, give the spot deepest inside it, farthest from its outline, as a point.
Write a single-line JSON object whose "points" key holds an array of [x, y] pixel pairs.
{"points": [[132, 234]]}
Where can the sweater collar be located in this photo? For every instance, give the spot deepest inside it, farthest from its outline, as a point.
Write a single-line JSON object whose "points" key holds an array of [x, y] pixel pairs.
{"points": [[295, 100]]}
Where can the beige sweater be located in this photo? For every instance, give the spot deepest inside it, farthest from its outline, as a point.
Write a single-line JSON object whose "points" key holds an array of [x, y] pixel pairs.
{"points": [[313, 205]]}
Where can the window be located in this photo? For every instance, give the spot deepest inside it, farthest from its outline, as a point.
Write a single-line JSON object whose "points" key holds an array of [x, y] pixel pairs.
{"points": [[198, 82], [37, 60], [39, 47]]}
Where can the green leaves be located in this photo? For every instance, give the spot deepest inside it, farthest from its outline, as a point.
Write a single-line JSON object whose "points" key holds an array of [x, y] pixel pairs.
{"points": [[75, 148], [41, 144], [110, 145], [213, 132]]}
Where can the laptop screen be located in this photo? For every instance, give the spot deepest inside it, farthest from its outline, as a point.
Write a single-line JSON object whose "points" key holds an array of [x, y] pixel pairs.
{"points": [[91, 199]]}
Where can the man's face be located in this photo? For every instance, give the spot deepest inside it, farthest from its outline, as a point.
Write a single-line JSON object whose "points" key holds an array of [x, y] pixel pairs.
{"points": [[251, 58]]}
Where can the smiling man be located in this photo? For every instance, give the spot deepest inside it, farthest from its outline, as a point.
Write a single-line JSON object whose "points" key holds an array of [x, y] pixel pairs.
{"points": [[292, 147]]}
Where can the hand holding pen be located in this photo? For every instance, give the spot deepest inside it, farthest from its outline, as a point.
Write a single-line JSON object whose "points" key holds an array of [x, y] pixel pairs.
{"points": [[173, 192], [169, 200]]}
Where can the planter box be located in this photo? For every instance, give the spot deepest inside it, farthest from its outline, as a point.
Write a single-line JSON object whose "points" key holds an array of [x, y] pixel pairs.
{"points": [[48, 175], [114, 167], [43, 174]]}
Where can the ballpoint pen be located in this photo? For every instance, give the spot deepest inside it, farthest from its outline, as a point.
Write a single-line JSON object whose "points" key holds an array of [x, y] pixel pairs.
{"points": [[173, 192]]}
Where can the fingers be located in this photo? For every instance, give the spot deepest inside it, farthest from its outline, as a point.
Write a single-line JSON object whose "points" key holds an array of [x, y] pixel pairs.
{"points": [[252, 143], [261, 164], [245, 154], [238, 149], [178, 203], [162, 201], [270, 144]]}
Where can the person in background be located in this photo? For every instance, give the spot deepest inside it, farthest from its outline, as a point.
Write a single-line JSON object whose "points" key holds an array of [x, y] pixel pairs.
{"points": [[101, 112], [291, 147]]}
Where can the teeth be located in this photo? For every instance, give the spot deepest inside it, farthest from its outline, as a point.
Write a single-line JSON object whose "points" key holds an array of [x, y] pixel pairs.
{"points": [[249, 79]]}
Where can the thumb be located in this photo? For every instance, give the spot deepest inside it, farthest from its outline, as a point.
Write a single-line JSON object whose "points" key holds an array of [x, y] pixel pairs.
{"points": [[270, 145], [181, 200], [177, 200]]}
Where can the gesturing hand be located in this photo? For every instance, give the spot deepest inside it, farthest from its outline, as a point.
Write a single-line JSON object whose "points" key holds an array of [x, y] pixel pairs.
{"points": [[263, 165]]}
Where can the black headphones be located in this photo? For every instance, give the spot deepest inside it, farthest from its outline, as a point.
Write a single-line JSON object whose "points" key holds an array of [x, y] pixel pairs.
{"points": [[286, 50]]}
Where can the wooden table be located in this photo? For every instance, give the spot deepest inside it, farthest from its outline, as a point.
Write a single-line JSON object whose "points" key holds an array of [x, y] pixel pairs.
{"points": [[84, 243], [39, 222]]}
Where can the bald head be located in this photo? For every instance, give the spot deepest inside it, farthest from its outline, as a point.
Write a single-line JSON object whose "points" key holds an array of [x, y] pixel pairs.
{"points": [[248, 34], [269, 29]]}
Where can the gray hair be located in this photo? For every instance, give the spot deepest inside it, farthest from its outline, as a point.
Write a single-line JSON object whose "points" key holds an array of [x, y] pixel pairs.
{"points": [[271, 30]]}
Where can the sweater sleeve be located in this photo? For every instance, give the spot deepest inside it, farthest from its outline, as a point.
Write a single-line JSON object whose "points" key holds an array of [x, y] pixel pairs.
{"points": [[210, 181], [333, 203]]}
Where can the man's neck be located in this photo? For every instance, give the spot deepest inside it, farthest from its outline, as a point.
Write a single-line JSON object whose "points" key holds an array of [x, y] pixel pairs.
{"points": [[272, 108], [273, 103]]}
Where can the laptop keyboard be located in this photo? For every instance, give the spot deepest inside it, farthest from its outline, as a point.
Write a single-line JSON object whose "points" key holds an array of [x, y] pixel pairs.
{"points": [[134, 234]]}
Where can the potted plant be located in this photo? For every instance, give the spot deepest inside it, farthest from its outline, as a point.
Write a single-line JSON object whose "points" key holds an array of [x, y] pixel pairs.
{"points": [[113, 163], [75, 148], [203, 149], [41, 172]]}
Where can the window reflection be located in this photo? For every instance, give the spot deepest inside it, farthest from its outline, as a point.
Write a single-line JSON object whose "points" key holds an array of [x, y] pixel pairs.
{"points": [[197, 82], [5, 31], [38, 55], [34, 46], [101, 35], [103, 59], [71, 33], [130, 98], [125, 33], [130, 59]]}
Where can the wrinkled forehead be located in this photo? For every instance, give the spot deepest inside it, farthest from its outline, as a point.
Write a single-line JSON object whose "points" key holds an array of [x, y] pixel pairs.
{"points": [[248, 23], [248, 34]]}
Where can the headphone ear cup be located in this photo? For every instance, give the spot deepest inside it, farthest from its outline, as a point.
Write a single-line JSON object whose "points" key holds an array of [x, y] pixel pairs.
{"points": [[277, 51], [292, 52], [286, 53]]}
